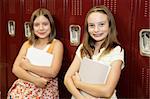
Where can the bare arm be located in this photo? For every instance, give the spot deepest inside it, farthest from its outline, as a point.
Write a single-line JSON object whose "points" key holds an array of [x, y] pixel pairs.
{"points": [[101, 90], [52, 71], [23, 74], [68, 78]]}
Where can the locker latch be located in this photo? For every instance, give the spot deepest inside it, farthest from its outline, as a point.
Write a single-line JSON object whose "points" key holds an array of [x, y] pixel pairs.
{"points": [[11, 27], [145, 42]]}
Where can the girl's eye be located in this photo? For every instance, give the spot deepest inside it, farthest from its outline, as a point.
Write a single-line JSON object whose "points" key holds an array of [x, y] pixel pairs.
{"points": [[91, 25], [45, 24], [36, 24], [101, 24]]}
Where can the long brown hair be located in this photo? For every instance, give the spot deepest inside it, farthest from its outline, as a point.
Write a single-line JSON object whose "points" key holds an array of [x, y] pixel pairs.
{"points": [[46, 13], [110, 42]]}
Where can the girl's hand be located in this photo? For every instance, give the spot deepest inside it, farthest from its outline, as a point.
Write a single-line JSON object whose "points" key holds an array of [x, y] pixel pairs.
{"points": [[76, 79], [25, 63], [41, 82]]}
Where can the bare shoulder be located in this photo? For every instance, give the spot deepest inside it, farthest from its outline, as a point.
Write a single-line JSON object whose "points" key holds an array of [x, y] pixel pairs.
{"points": [[23, 49], [58, 47], [25, 46], [26, 43], [58, 43]]}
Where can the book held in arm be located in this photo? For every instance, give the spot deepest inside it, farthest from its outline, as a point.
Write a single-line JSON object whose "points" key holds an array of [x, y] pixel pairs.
{"points": [[93, 72], [39, 57]]}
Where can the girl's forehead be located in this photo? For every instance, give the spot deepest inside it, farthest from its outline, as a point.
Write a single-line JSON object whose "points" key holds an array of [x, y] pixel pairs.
{"points": [[41, 18], [97, 16]]}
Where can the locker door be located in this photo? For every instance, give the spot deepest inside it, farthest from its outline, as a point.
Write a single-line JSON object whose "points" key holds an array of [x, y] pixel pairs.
{"points": [[140, 64], [0, 46], [0, 28], [2, 53], [122, 11], [13, 42]]}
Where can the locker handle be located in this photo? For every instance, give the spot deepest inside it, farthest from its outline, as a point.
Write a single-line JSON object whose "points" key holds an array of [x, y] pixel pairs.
{"points": [[75, 32], [11, 27], [144, 42], [27, 29]]}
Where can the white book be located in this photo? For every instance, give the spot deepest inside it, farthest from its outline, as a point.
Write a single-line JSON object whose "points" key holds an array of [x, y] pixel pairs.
{"points": [[39, 57], [93, 71]]}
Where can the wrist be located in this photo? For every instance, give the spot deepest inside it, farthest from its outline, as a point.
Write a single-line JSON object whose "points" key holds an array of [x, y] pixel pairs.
{"points": [[78, 84], [35, 80]]}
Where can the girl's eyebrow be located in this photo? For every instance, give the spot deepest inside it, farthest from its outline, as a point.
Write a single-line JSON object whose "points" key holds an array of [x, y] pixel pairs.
{"points": [[98, 22], [101, 22], [90, 23]]}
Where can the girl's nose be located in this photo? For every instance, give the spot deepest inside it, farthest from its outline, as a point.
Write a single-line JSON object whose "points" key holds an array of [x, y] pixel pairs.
{"points": [[41, 27], [96, 28]]}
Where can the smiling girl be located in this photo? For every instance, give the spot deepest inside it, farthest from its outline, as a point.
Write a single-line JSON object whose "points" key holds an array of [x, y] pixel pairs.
{"points": [[99, 44], [37, 80]]}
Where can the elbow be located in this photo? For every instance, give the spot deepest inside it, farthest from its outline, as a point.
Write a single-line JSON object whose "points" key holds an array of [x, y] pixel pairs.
{"points": [[106, 93], [52, 74], [66, 79], [14, 70]]}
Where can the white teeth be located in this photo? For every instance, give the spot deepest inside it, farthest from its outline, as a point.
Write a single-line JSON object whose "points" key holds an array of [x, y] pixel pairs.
{"points": [[97, 35]]}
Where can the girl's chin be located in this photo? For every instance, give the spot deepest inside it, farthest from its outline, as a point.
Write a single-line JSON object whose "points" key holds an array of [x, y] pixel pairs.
{"points": [[98, 39], [41, 37]]}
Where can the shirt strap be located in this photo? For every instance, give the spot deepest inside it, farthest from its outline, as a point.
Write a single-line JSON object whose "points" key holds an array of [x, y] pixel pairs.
{"points": [[28, 44], [50, 49]]}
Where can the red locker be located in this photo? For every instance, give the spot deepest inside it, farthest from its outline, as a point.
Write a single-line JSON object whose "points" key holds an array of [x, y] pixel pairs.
{"points": [[131, 16], [140, 66], [2, 53], [13, 42]]}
